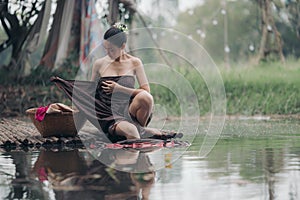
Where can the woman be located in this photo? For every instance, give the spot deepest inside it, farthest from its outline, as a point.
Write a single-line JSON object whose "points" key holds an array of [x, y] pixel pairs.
{"points": [[121, 110], [127, 109]]}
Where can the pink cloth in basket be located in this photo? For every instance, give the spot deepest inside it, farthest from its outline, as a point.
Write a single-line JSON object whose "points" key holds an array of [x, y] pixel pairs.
{"points": [[41, 112], [51, 108]]}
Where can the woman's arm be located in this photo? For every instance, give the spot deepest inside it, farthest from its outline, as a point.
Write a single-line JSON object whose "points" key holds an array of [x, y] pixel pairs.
{"points": [[141, 76], [95, 70]]}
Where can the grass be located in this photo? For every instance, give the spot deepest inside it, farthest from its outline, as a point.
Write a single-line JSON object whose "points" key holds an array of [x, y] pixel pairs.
{"points": [[267, 89]]}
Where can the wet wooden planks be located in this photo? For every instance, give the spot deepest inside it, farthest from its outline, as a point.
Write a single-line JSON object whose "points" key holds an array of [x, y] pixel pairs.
{"points": [[21, 135], [18, 134]]}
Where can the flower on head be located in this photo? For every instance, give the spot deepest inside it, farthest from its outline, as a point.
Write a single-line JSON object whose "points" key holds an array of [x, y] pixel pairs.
{"points": [[121, 26]]}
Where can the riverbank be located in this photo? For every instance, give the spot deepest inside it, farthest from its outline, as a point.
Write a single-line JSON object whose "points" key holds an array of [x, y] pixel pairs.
{"points": [[270, 90]]}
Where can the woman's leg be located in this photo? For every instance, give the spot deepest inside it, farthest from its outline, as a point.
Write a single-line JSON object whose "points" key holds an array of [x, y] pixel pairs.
{"points": [[141, 107], [127, 129]]}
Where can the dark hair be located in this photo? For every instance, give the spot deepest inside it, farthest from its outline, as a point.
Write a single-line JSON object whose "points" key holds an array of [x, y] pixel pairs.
{"points": [[116, 36]]}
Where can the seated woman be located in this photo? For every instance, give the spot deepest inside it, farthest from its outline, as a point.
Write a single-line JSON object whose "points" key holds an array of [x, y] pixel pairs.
{"points": [[124, 110], [121, 110]]}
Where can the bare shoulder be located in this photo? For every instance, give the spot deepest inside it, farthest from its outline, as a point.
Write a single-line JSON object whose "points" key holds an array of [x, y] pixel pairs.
{"points": [[136, 62], [100, 62]]}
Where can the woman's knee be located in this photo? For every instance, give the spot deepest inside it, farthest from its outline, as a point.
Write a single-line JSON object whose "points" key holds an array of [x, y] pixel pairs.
{"points": [[144, 98]]}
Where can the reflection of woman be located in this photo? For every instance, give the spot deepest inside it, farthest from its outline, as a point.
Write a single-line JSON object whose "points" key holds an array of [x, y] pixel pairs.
{"points": [[143, 182], [141, 175], [63, 162], [81, 179], [126, 160], [124, 108]]}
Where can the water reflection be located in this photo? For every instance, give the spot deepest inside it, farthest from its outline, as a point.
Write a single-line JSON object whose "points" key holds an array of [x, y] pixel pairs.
{"points": [[241, 168], [273, 163], [73, 176], [265, 166], [62, 163], [21, 185]]}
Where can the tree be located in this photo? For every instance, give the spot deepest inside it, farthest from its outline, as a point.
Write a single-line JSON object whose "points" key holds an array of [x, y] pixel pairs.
{"points": [[206, 24], [22, 20], [253, 29], [119, 9], [291, 9], [271, 42], [18, 19]]}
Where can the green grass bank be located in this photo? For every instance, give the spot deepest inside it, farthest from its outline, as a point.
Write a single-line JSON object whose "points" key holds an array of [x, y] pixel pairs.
{"points": [[266, 89]]}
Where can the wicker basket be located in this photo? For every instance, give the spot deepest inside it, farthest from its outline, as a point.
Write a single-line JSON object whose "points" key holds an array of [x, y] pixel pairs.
{"points": [[58, 124]]}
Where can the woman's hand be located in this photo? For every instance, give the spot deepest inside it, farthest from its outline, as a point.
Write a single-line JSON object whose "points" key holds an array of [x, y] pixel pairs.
{"points": [[109, 86]]}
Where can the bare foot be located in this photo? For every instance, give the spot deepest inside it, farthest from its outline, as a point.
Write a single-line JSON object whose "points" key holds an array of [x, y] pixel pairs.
{"points": [[150, 132], [158, 134]]}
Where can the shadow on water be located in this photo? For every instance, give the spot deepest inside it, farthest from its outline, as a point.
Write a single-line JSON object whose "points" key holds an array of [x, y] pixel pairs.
{"points": [[250, 161]]}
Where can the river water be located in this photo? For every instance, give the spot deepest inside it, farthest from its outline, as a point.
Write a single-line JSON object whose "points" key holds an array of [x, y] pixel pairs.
{"points": [[253, 159]]}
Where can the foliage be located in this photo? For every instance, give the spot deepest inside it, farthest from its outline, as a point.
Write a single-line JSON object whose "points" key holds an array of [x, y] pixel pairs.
{"points": [[291, 46], [15, 99], [205, 24], [41, 74], [207, 27], [291, 9], [18, 17]]}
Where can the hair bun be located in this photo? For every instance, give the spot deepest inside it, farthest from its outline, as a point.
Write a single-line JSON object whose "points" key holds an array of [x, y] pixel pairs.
{"points": [[121, 27]]}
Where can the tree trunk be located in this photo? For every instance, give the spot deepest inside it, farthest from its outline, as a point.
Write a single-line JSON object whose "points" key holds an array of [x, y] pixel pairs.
{"points": [[113, 11], [264, 30], [51, 46], [269, 29], [278, 41], [17, 33]]}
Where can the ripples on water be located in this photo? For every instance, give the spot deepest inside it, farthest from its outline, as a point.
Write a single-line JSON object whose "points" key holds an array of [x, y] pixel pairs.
{"points": [[252, 160]]}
